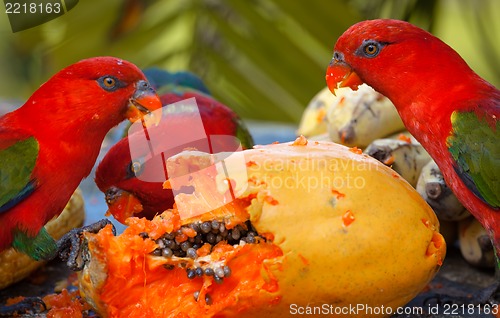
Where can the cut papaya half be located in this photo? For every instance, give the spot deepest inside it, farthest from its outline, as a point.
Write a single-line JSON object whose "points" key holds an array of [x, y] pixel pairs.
{"points": [[300, 225]]}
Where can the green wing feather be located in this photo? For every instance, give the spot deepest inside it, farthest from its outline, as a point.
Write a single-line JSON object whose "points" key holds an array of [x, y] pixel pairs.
{"points": [[16, 181], [475, 147], [16, 184]]}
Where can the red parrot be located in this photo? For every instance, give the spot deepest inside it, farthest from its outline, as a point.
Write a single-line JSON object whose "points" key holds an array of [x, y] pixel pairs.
{"points": [[49, 144], [123, 179], [444, 104]]}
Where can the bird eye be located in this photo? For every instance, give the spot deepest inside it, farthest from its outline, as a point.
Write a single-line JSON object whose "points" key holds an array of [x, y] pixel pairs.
{"points": [[109, 83], [337, 56], [369, 48], [135, 168]]}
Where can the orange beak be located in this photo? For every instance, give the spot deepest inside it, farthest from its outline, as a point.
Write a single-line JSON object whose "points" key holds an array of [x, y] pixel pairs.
{"points": [[122, 204], [145, 104], [340, 74]]}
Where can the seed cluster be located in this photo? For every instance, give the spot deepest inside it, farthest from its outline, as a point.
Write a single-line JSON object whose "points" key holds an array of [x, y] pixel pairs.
{"points": [[185, 242], [218, 273]]}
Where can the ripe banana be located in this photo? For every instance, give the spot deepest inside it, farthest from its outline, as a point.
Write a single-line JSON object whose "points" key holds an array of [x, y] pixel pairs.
{"points": [[475, 244], [433, 189], [313, 118], [406, 158], [358, 117]]}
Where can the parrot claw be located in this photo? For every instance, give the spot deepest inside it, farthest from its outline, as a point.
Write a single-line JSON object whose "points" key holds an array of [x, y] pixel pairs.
{"points": [[70, 245], [29, 305]]}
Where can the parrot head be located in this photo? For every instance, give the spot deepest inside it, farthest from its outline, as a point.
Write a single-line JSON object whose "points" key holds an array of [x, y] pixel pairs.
{"points": [[123, 79], [396, 58], [97, 92], [366, 51], [126, 183]]}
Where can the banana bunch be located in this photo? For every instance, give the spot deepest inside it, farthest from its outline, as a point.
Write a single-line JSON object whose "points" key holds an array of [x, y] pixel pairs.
{"points": [[403, 156], [352, 118]]}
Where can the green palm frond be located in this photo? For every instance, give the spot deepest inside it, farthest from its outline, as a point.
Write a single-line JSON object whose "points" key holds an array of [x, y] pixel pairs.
{"points": [[264, 58]]}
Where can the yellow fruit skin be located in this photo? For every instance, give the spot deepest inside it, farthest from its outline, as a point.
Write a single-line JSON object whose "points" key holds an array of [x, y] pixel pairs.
{"points": [[384, 257]]}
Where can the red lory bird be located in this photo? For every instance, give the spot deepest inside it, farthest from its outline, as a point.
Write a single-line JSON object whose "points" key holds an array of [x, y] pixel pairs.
{"points": [[450, 109], [126, 182], [49, 144]]}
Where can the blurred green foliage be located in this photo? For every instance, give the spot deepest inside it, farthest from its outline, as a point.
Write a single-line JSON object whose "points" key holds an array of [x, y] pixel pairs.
{"points": [[264, 58]]}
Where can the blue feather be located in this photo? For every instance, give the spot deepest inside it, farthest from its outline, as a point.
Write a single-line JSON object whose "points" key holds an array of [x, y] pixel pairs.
{"points": [[23, 194], [159, 78]]}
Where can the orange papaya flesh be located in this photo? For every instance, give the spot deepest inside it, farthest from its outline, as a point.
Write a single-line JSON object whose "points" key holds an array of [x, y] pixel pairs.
{"points": [[163, 285]]}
